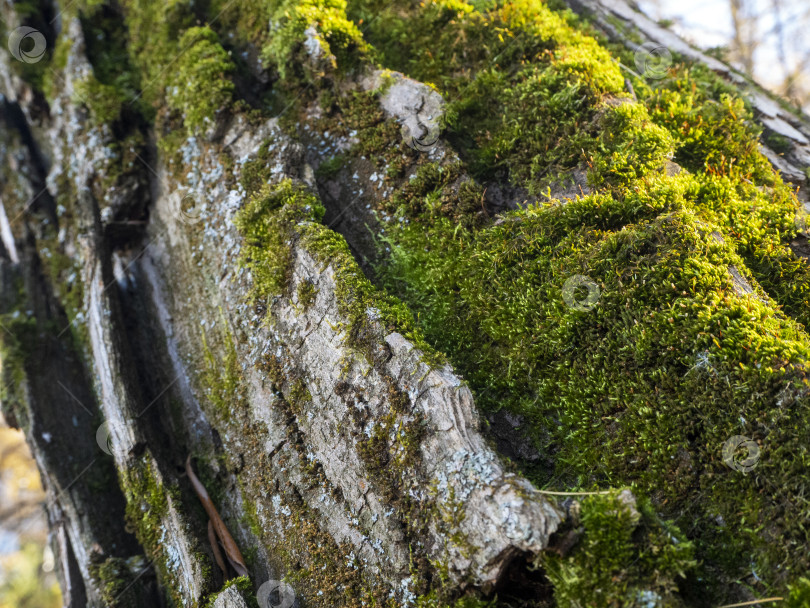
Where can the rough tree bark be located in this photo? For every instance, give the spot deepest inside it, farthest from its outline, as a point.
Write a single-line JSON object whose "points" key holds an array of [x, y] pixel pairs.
{"points": [[343, 453]]}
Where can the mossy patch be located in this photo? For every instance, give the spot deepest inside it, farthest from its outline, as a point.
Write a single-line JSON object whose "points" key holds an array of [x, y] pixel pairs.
{"points": [[200, 87], [116, 578], [222, 379], [147, 506], [245, 587], [267, 224], [103, 101], [334, 35], [623, 558], [665, 296], [306, 293], [256, 172]]}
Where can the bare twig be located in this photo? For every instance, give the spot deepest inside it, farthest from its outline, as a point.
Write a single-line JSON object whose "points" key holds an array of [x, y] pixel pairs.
{"points": [[231, 549]]}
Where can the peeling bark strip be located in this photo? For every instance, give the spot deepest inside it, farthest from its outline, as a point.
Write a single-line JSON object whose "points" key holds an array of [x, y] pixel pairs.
{"points": [[215, 521], [212, 538]]}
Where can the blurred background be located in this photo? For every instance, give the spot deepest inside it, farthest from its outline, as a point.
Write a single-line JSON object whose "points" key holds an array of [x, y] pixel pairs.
{"points": [[766, 39], [27, 569]]}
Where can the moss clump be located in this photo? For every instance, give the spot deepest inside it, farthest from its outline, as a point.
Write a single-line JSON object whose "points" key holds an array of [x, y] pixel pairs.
{"points": [[115, 577], [306, 294], [245, 588], [629, 146], [103, 101], [299, 395], [153, 31], [603, 390], [615, 393], [523, 83], [329, 168], [268, 224], [359, 113], [256, 172], [276, 218], [105, 37], [336, 36], [624, 558], [200, 86], [440, 191], [147, 506], [304, 38], [39, 15], [19, 333], [799, 595]]}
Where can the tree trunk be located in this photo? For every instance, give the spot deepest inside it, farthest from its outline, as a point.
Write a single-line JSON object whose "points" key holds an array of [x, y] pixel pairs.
{"points": [[197, 234]]}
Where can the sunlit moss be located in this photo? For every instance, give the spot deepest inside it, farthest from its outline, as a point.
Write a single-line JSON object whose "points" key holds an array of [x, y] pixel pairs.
{"points": [[200, 85], [336, 36], [624, 558]]}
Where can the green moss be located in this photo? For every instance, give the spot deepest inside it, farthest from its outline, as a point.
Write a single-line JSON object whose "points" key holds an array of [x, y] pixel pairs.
{"points": [[195, 76], [432, 600], [103, 101], [283, 45], [52, 83], [319, 569], [116, 579], [105, 37], [268, 224], [251, 518], [199, 86], [666, 296], [629, 146], [147, 506], [64, 274], [799, 595], [437, 191], [256, 172], [306, 294], [299, 395], [222, 378], [641, 390], [39, 15], [19, 335], [624, 558], [603, 391], [716, 137], [277, 217], [778, 143], [337, 36], [245, 588], [370, 313], [359, 114], [329, 168]]}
